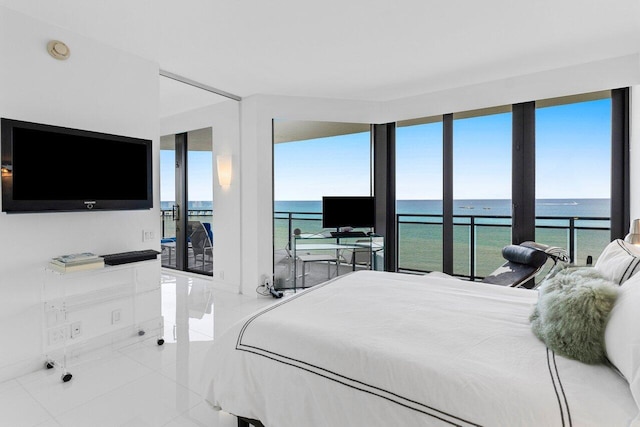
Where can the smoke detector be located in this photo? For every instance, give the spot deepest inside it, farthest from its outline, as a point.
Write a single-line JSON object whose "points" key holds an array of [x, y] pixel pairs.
{"points": [[58, 50]]}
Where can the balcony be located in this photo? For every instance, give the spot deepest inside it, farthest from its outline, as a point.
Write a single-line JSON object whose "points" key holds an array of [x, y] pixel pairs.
{"points": [[195, 263], [478, 239]]}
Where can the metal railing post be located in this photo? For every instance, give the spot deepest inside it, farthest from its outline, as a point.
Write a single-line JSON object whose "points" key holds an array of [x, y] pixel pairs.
{"points": [[289, 228], [472, 247], [572, 240]]}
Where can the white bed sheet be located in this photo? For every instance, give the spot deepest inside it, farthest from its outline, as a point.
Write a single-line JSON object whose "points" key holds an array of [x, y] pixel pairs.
{"points": [[389, 349]]}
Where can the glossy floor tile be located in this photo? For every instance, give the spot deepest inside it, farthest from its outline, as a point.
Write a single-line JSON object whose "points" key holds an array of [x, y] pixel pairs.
{"points": [[141, 384]]}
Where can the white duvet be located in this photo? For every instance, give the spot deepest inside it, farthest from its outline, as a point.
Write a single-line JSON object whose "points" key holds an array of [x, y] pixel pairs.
{"points": [[389, 349]]}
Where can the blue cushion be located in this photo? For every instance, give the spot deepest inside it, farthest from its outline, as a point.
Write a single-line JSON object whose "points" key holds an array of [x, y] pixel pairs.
{"points": [[207, 226]]}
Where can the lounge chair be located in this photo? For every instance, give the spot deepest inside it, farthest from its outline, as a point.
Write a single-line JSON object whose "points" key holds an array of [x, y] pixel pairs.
{"points": [[524, 262]]}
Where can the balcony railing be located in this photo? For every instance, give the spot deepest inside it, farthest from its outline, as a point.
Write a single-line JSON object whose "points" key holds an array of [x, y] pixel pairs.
{"points": [[168, 219], [478, 239]]}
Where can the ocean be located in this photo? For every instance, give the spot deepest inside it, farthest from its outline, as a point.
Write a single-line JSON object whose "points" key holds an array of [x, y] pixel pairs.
{"points": [[420, 238], [544, 207]]}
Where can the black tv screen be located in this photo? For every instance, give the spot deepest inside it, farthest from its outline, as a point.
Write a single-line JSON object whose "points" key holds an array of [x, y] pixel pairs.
{"points": [[52, 168], [348, 211]]}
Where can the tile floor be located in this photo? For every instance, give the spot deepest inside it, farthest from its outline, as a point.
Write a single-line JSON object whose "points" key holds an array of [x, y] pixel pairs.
{"points": [[140, 384]]}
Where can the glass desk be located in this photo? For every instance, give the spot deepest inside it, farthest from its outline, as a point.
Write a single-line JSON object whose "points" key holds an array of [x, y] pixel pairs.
{"points": [[356, 250]]}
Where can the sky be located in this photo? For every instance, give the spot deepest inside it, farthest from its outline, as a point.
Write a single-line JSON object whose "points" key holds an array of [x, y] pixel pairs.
{"points": [[200, 179], [573, 158]]}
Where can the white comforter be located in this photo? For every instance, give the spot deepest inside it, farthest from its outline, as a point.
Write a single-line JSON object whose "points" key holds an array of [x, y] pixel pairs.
{"points": [[389, 349]]}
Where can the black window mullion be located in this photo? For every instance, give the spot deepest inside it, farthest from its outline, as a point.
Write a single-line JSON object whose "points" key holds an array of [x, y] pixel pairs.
{"points": [[181, 146], [447, 193], [620, 185], [523, 173], [384, 189]]}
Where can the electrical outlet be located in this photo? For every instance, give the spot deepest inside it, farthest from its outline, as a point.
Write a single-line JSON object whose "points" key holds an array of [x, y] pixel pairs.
{"points": [[148, 235], [58, 335], [116, 315], [76, 329]]}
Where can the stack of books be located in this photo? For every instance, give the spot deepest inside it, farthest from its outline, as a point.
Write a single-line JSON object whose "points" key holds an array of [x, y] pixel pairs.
{"points": [[76, 262]]}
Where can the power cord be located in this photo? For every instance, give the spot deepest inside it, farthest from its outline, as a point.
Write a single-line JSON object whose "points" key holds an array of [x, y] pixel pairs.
{"points": [[267, 289]]}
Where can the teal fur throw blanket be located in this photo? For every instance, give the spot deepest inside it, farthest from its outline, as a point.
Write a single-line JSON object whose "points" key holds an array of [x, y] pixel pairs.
{"points": [[572, 312]]}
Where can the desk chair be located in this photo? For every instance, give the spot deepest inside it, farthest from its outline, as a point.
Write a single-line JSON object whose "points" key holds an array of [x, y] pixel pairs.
{"points": [[307, 258], [362, 256], [304, 259]]}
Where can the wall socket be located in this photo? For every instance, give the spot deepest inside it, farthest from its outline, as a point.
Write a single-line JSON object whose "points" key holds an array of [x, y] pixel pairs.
{"points": [[116, 315], [76, 329], [148, 235]]}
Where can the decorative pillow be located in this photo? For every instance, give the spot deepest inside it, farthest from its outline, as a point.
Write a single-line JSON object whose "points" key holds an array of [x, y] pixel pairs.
{"points": [[619, 261], [622, 334], [572, 311]]}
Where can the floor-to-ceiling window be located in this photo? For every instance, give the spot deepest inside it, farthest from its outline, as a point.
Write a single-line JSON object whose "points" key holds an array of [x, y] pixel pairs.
{"points": [[569, 143], [573, 173], [419, 194], [481, 189], [312, 160]]}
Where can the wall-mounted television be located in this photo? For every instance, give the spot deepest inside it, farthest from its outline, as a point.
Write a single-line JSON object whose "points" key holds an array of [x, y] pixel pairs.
{"points": [[348, 211], [51, 168]]}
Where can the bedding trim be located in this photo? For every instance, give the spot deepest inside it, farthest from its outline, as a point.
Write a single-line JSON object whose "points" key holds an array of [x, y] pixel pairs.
{"points": [[563, 405]]}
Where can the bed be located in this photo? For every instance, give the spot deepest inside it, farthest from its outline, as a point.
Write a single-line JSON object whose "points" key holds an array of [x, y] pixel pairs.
{"points": [[386, 349]]}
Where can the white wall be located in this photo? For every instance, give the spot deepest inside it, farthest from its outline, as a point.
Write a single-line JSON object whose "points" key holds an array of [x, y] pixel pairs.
{"points": [[100, 89]]}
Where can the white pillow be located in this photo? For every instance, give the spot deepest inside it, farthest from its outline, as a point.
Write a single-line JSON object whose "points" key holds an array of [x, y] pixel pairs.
{"points": [[622, 335], [619, 261]]}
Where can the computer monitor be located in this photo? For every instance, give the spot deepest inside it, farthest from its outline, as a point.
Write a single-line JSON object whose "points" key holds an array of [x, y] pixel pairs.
{"points": [[348, 211]]}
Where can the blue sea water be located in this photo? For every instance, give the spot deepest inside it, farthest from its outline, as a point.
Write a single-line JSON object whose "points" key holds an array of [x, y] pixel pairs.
{"points": [[544, 207], [197, 205], [420, 238], [500, 207]]}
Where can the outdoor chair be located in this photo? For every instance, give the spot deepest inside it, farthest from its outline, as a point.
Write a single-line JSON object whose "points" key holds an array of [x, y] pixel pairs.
{"points": [[199, 242]]}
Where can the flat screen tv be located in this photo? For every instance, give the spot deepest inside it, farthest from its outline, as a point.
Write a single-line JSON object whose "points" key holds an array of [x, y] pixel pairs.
{"points": [[51, 168], [348, 211]]}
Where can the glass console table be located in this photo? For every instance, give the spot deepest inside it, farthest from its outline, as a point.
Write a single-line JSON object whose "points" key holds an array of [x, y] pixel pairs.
{"points": [[354, 249]]}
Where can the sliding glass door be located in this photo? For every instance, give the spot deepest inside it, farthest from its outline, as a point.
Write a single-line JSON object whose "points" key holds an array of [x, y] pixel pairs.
{"points": [[186, 176]]}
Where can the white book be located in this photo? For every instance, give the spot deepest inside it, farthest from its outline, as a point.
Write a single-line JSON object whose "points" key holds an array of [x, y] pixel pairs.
{"points": [[79, 257]]}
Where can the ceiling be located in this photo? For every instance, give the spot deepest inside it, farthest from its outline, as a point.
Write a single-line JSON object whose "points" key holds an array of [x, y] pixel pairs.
{"points": [[371, 50]]}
